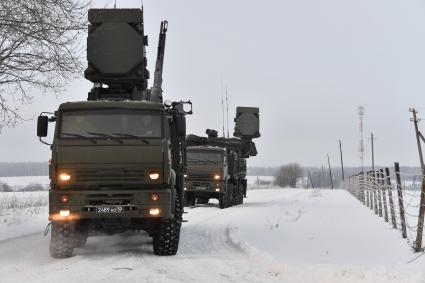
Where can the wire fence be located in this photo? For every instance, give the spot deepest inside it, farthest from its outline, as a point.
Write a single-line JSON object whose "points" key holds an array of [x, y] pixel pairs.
{"points": [[391, 197]]}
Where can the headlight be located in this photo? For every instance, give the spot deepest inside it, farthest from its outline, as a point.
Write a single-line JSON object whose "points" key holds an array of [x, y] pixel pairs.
{"points": [[154, 176], [217, 177], [154, 211], [64, 213], [64, 177]]}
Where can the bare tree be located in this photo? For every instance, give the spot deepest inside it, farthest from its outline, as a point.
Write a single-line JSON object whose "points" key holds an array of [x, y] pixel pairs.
{"points": [[39, 48], [288, 174]]}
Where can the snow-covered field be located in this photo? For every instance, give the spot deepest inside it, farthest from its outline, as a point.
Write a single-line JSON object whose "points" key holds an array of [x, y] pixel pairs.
{"points": [[22, 213], [277, 235]]}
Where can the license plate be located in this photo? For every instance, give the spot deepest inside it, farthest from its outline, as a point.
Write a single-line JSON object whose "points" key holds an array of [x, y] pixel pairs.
{"points": [[109, 209], [200, 188]]}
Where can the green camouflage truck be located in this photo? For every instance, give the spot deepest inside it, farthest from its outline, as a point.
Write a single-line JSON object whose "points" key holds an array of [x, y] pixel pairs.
{"points": [[119, 159], [216, 166]]}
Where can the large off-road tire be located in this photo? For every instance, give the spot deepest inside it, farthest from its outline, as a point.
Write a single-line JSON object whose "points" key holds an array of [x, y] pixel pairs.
{"points": [[245, 186], [186, 199], [166, 239], [223, 198], [80, 236], [231, 195], [192, 199], [239, 195], [61, 240], [202, 200]]}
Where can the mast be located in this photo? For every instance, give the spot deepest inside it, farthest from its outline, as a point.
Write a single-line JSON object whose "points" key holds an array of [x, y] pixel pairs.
{"points": [[156, 90]]}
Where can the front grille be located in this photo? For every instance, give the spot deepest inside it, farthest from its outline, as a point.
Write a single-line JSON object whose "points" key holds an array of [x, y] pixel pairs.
{"points": [[110, 176], [109, 199], [200, 177]]}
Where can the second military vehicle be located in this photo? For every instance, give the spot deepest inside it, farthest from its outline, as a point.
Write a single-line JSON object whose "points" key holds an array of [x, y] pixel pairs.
{"points": [[118, 160], [216, 166]]}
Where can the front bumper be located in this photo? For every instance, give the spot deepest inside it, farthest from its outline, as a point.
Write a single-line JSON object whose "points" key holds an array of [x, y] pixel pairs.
{"points": [[206, 186], [117, 203]]}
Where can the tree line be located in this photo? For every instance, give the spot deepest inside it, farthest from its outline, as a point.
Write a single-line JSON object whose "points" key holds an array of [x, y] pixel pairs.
{"points": [[18, 169], [294, 175]]}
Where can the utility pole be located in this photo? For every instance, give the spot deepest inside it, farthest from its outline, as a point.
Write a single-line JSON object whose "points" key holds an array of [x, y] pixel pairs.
{"points": [[227, 107], [419, 136], [311, 181], [342, 162], [222, 110], [330, 172], [361, 144], [373, 152]]}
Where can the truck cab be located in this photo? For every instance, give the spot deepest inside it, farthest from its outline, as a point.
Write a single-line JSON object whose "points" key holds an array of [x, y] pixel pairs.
{"points": [[207, 173], [115, 166], [214, 172]]}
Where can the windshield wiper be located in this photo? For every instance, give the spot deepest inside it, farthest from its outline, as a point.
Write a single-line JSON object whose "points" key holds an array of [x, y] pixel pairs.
{"points": [[106, 136], [79, 136], [132, 136]]}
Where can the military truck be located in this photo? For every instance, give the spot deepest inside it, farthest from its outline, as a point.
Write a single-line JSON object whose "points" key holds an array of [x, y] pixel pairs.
{"points": [[216, 166], [119, 159]]}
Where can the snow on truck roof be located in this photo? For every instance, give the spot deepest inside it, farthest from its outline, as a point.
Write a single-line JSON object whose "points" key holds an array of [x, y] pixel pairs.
{"points": [[127, 104]]}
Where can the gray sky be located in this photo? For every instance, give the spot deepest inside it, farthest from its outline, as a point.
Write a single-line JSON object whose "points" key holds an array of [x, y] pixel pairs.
{"points": [[307, 64]]}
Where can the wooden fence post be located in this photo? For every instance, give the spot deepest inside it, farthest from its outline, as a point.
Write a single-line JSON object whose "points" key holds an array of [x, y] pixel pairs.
{"points": [[384, 194], [369, 178], [400, 200], [375, 198], [358, 187], [366, 191], [390, 197], [378, 193]]}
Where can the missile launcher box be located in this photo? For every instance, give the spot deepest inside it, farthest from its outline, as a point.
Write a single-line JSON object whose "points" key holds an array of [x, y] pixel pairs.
{"points": [[116, 47], [247, 123]]}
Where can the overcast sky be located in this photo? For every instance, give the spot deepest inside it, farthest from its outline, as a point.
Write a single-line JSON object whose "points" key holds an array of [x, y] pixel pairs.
{"points": [[306, 64]]}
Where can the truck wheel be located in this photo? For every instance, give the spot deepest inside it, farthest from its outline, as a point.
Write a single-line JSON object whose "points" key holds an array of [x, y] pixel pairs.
{"points": [[202, 200], [186, 199], [245, 185], [239, 196], [222, 201], [230, 197], [80, 236], [166, 239], [61, 240], [223, 198], [192, 199]]}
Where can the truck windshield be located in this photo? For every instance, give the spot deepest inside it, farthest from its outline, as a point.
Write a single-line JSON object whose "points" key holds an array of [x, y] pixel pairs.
{"points": [[110, 123], [202, 156]]}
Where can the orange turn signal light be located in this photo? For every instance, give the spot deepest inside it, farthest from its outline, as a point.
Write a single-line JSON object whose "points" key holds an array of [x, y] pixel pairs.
{"points": [[64, 199], [154, 197]]}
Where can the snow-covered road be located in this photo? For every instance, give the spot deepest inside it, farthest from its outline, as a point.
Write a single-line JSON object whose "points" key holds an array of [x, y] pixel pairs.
{"points": [[276, 236]]}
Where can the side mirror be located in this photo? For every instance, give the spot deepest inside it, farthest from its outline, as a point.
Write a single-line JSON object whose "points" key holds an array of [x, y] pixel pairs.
{"points": [[168, 104], [183, 107], [42, 125], [181, 126]]}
